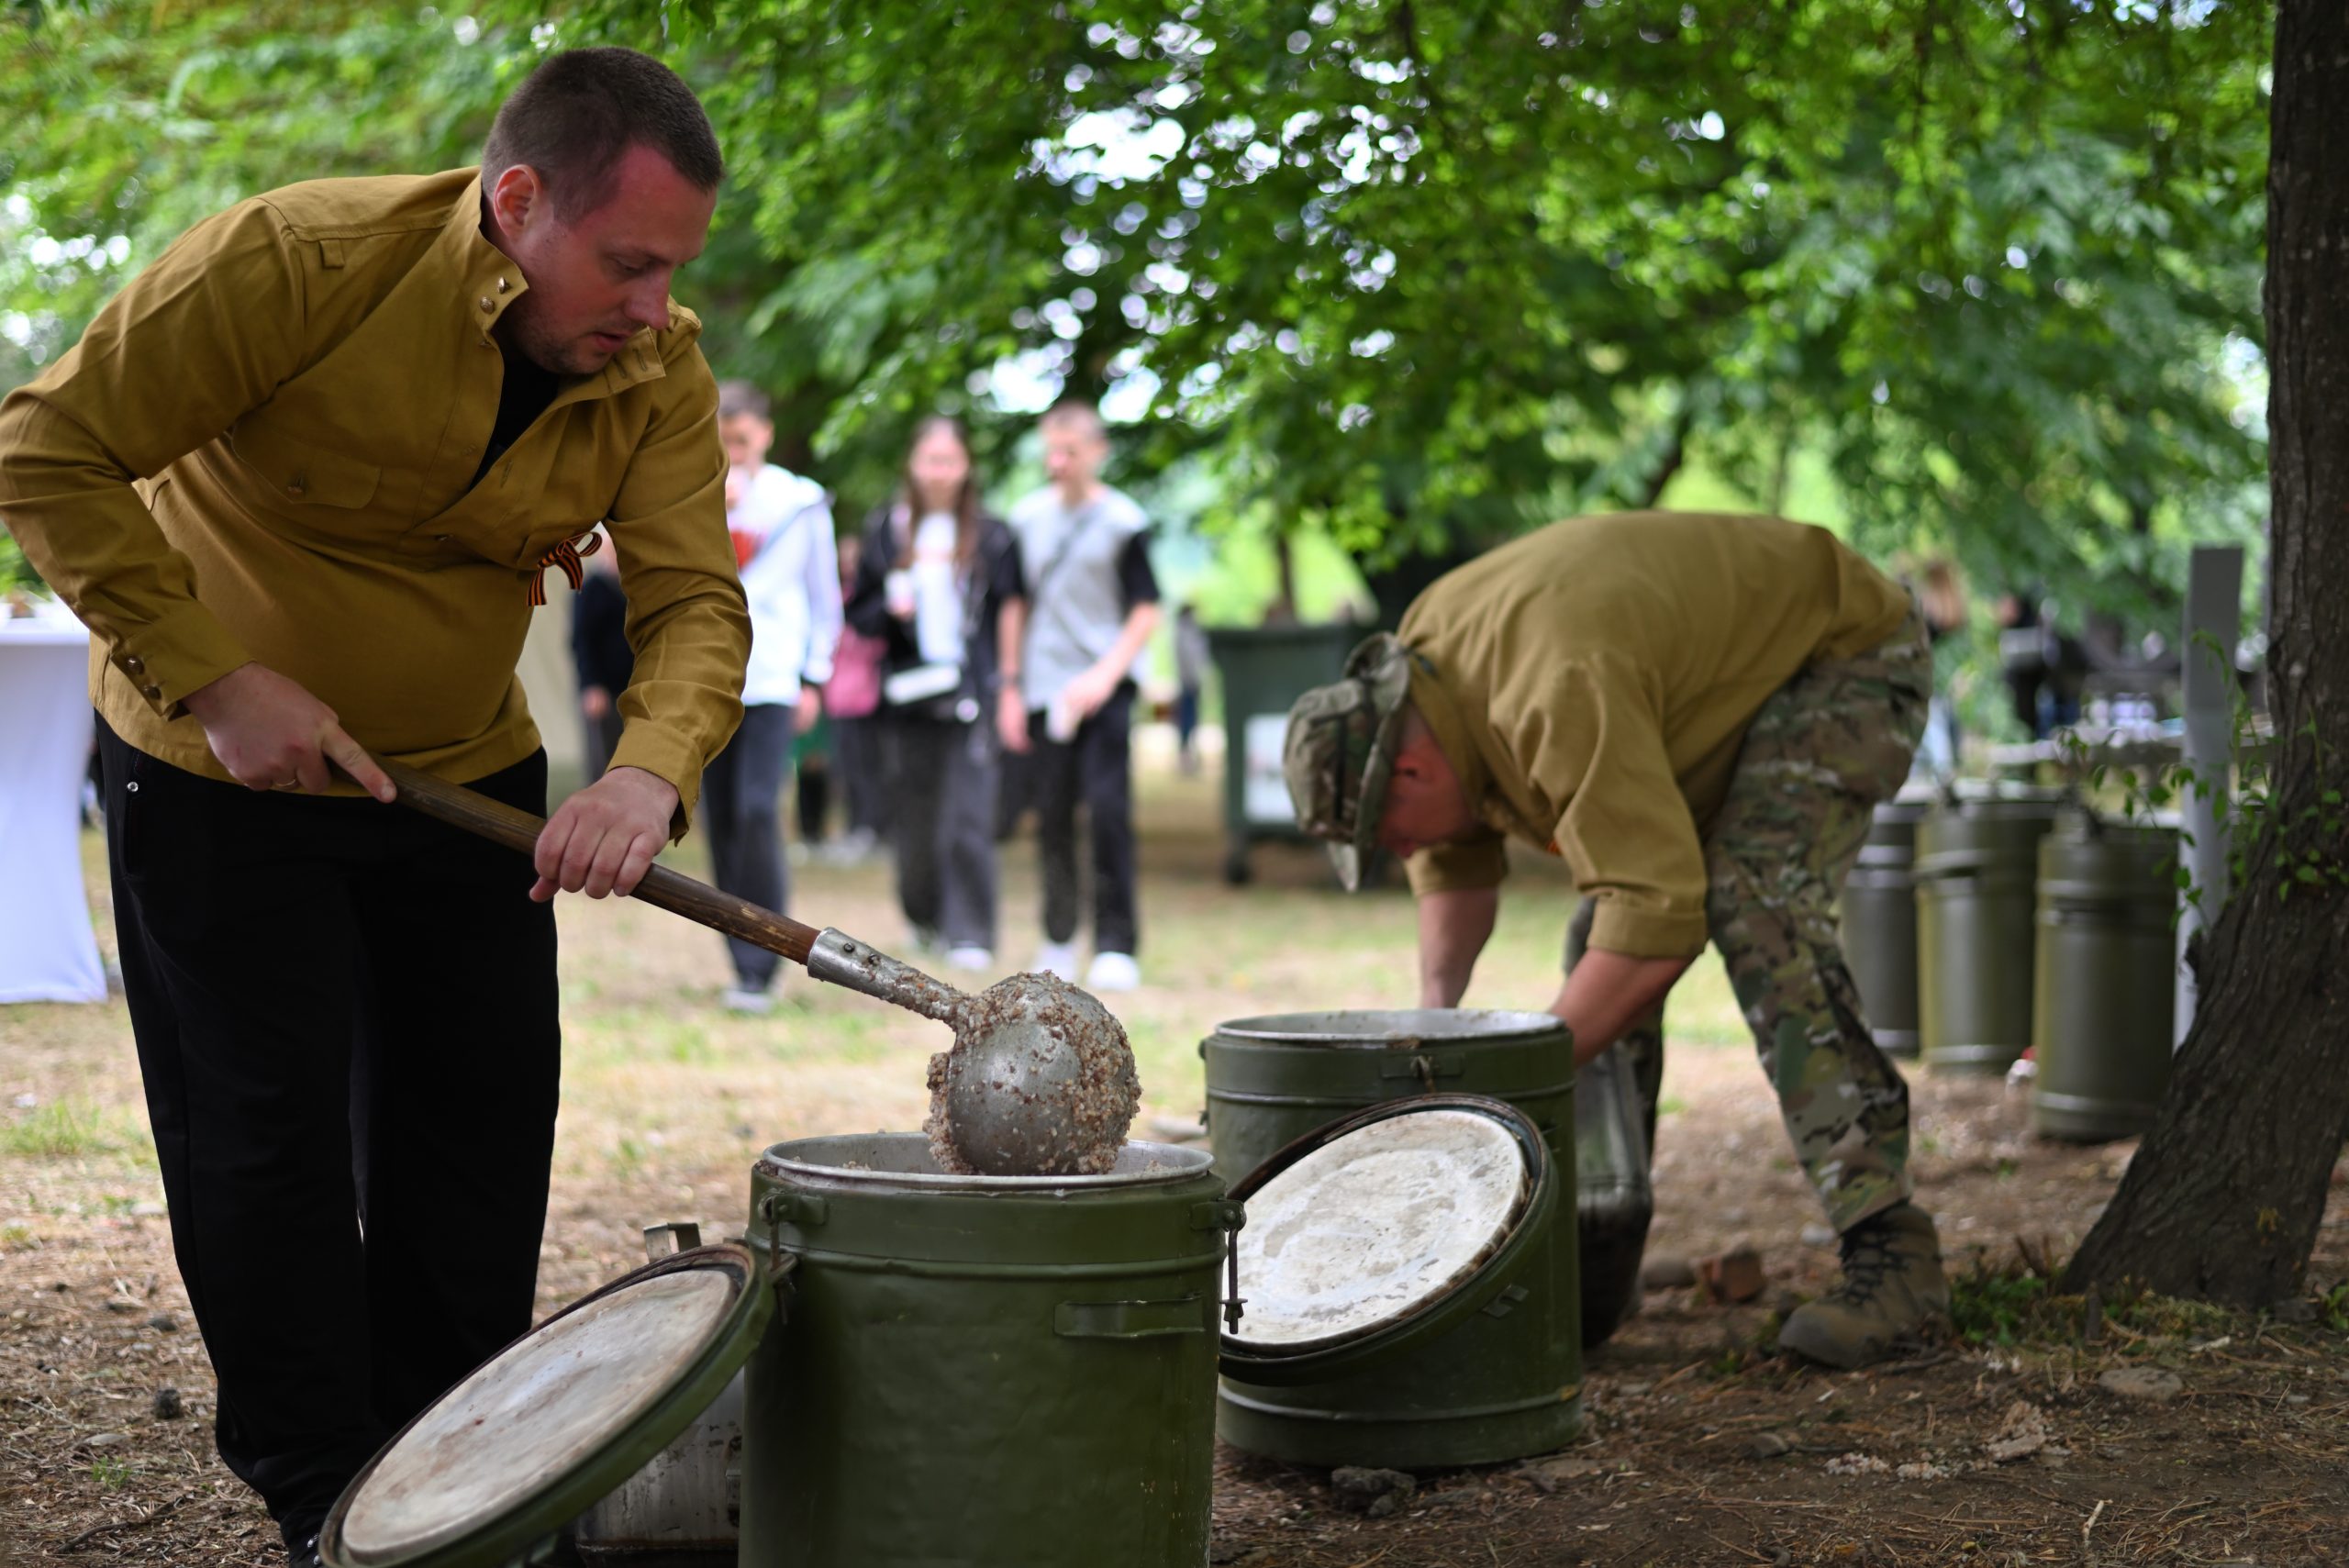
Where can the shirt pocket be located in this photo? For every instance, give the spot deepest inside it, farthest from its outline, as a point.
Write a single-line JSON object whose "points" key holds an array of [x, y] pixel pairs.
{"points": [[300, 474]]}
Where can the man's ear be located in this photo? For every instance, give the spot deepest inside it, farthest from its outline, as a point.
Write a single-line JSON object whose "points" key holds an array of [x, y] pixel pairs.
{"points": [[517, 198]]}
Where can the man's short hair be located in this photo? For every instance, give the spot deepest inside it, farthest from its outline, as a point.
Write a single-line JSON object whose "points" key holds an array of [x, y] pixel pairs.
{"points": [[1075, 413], [576, 114], [737, 398]]}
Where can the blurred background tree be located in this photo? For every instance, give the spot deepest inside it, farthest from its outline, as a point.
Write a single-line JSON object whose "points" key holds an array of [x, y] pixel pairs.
{"points": [[1978, 279]]}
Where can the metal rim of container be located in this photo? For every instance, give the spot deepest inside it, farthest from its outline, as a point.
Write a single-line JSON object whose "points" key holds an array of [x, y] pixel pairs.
{"points": [[509, 1535], [1181, 1165], [1449, 1026], [1463, 1298]]}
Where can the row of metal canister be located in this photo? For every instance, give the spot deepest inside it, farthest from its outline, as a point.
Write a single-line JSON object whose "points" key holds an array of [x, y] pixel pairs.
{"points": [[1981, 925]]}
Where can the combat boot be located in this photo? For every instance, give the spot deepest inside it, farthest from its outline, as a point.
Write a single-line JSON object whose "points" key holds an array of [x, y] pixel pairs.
{"points": [[1891, 1295]]}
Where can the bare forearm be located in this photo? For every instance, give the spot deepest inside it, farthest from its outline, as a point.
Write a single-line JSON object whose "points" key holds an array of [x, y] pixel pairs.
{"points": [[1010, 631], [1454, 925], [1609, 992], [1140, 622]]}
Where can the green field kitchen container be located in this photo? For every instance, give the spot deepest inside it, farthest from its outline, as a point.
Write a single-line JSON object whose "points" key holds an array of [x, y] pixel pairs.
{"points": [[1977, 869], [998, 1371], [1488, 1369], [2106, 1001], [1501, 1385], [1879, 921], [1262, 670]]}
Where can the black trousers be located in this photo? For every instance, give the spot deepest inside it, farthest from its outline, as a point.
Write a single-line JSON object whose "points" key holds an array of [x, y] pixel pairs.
{"points": [[945, 827], [860, 758], [1095, 766], [345, 1018], [741, 793]]}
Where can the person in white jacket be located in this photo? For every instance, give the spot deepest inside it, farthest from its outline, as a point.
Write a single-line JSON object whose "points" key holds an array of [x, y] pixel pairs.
{"points": [[782, 529]]}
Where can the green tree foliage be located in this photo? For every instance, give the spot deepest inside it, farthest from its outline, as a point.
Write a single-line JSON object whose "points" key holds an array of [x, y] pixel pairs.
{"points": [[1423, 275]]}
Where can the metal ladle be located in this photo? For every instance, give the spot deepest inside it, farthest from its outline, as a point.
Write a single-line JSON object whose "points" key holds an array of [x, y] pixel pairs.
{"points": [[1040, 1080]]}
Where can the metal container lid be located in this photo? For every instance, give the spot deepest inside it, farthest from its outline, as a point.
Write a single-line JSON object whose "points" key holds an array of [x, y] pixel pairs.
{"points": [[1388, 1030], [1448, 1299], [901, 1162], [557, 1419]]}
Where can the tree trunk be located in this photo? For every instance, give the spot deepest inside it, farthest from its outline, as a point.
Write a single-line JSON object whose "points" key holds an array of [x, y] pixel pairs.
{"points": [[2223, 1200]]}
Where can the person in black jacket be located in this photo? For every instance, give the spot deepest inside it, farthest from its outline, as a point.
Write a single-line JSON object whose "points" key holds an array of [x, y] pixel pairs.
{"points": [[600, 652], [939, 580]]}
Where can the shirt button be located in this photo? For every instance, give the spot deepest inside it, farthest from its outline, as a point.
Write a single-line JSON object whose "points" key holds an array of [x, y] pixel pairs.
{"points": [[441, 538], [134, 664], [295, 488], [155, 694], [501, 285], [485, 305]]}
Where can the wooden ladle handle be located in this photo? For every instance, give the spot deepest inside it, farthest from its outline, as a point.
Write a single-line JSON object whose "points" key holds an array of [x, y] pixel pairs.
{"points": [[663, 888]]}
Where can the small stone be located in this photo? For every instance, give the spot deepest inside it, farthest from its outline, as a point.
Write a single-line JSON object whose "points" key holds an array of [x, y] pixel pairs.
{"points": [[2296, 1398], [1769, 1445], [1667, 1271], [169, 1406], [1732, 1277], [2298, 1311], [122, 1304], [105, 1440], [2021, 1435], [1556, 1470], [2149, 1383], [1817, 1235], [162, 1323], [1362, 1489]]}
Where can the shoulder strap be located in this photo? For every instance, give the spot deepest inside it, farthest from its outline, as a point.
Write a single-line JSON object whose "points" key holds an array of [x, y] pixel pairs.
{"points": [[1061, 552]]}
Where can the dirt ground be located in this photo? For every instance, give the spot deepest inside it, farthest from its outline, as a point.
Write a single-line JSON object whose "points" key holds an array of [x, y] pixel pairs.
{"points": [[1701, 1446]]}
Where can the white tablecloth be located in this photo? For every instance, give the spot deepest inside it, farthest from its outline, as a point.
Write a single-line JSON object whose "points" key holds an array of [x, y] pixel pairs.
{"points": [[48, 952]]}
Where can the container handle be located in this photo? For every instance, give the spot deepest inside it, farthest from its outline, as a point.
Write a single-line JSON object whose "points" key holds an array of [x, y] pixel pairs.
{"points": [[1427, 1066], [1130, 1319], [1225, 1214], [676, 1236], [804, 1210]]}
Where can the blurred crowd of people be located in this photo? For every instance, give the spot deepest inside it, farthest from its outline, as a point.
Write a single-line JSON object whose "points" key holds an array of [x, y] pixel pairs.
{"points": [[897, 665]]}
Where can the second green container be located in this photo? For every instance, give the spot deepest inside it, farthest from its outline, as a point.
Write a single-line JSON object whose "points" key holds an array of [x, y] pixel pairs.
{"points": [[1977, 865], [2107, 986], [1503, 1385]]}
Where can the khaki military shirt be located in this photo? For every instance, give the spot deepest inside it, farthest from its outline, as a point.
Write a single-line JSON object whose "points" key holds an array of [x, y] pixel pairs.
{"points": [[1590, 683], [264, 449]]}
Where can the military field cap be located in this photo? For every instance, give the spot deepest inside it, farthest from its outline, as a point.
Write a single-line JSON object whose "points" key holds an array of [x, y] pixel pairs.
{"points": [[1340, 750]]}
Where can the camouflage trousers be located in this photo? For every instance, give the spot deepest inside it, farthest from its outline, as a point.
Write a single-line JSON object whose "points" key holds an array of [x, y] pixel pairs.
{"points": [[1820, 755]]}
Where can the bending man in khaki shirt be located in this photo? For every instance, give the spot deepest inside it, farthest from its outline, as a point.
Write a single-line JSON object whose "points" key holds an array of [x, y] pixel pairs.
{"points": [[1699, 713], [306, 479]]}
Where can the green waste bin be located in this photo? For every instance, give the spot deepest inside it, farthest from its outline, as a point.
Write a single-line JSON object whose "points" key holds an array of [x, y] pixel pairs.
{"points": [[1263, 670], [1977, 860], [2107, 991]]}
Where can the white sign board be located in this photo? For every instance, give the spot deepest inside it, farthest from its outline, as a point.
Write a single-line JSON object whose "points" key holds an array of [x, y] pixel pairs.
{"points": [[1263, 796]]}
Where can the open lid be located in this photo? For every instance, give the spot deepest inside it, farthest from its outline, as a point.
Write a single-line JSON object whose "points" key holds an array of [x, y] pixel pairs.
{"points": [[557, 1419], [1383, 1230]]}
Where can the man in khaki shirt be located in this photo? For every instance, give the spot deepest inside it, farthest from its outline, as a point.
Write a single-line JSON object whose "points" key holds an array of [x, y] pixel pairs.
{"points": [[304, 478], [1699, 713]]}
